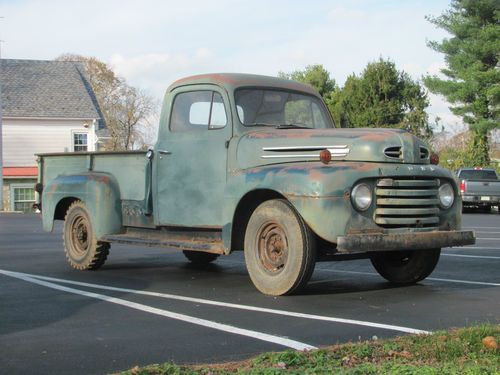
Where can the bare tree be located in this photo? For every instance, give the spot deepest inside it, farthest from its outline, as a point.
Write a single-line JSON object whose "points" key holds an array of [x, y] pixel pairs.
{"points": [[127, 110], [133, 111]]}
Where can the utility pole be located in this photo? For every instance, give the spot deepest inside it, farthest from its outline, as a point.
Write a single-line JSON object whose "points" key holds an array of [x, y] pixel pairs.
{"points": [[1, 128]]}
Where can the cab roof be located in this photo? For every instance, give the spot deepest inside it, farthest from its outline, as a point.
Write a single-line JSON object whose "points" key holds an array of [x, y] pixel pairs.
{"points": [[233, 81]]}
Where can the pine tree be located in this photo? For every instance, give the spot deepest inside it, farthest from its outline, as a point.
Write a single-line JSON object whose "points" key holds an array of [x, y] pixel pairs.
{"points": [[472, 73]]}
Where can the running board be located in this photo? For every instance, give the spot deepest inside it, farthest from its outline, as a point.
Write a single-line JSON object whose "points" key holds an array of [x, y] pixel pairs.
{"points": [[209, 241]]}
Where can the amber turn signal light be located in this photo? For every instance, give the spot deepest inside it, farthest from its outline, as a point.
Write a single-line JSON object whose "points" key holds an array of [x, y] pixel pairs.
{"points": [[434, 159], [325, 156]]}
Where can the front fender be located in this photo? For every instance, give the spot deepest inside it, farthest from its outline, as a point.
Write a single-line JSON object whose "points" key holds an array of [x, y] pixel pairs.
{"points": [[321, 193], [100, 193]]}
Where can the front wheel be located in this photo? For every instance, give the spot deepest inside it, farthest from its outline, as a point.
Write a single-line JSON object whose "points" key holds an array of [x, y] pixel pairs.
{"points": [[405, 267], [82, 249], [279, 250]]}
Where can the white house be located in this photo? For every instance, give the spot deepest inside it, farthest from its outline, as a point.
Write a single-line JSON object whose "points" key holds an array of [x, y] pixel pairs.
{"points": [[48, 106]]}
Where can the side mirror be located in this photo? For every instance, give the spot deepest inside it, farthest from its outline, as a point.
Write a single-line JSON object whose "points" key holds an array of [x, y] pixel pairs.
{"points": [[149, 154]]}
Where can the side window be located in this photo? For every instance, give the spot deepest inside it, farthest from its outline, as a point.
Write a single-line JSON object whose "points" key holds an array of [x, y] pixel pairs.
{"points": [[197, 110]]}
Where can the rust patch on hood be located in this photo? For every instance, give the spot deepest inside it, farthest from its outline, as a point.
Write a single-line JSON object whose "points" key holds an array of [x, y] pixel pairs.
{"points": [[375, 135]]}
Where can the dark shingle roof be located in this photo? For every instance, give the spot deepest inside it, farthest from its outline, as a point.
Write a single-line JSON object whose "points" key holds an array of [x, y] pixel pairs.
{"points": [[36, 88]]}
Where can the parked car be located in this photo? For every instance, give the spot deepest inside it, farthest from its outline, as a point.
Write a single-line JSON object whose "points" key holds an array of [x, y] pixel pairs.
{"points": [[480, 188], [254, 163]]}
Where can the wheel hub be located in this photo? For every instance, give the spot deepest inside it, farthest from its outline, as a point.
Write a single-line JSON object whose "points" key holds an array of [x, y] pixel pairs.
{"points": [[80, 235], [273, 247]]}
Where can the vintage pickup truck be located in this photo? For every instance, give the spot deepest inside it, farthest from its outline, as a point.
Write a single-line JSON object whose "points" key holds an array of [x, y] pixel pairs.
{"points": [[254, 163]]}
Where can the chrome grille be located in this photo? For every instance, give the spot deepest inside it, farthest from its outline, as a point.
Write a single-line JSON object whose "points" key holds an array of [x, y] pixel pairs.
{"points": [[407, 203]]}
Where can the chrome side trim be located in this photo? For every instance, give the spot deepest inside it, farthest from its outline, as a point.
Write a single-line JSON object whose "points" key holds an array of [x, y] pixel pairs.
{"points": [[336, 152], [290, 156], [303, 148]]}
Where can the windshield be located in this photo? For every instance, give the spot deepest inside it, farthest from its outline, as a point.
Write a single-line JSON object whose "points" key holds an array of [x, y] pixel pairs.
{"points": [[280, 108]]}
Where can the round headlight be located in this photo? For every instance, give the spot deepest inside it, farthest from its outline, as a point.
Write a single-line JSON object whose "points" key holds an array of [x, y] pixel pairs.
{"points": [[446, 195], [361, 197]]}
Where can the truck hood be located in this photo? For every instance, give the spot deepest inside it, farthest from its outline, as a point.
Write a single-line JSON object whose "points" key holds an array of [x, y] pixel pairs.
{"points": [[272, 146]]}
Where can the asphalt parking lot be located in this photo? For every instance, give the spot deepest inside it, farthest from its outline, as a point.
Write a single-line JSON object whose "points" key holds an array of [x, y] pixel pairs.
{"points": [[150, 305]]}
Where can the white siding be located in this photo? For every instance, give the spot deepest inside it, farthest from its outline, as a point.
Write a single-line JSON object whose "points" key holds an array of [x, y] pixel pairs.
{"points": [[22, 139]]}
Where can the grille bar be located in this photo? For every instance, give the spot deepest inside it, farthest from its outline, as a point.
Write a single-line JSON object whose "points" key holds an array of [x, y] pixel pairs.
{"points": [[406, 202], [405, 192], [406, 220], [406, 211], [389, 182]]}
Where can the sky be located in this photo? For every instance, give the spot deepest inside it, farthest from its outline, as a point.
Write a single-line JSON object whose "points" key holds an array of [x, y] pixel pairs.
{"points": [[152, 43]]}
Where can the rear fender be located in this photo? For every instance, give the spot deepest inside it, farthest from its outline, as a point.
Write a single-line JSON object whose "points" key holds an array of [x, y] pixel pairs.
{"points": [[100, 193]]}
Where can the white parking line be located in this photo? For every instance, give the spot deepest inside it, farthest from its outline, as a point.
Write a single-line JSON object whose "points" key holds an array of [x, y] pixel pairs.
{"points": [[231, 305], [480, 228], [488, 238], [463, 281], [376, 274], [428, 278], [470, 256], [474, 247], [487, 232], [185, 318]]}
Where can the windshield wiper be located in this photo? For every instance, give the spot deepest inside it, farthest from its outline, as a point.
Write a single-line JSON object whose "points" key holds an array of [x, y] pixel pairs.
{"points": [[280, 126], [292, 126], [260, 124]]}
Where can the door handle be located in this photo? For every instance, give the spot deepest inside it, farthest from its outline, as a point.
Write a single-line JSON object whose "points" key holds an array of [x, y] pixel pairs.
{"points": [[164, 152]]}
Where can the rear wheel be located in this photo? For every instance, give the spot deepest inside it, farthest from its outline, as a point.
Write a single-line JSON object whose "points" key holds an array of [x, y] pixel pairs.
{"points": [[81, 247], [199, 257], [279, 250], [405, 267]]}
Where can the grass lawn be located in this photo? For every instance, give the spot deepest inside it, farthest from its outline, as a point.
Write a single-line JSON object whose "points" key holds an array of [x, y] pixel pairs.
{"points": [[472, 350]]}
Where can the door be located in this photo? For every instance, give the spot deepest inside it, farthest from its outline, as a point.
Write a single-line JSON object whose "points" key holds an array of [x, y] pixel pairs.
{"points": [[191, 158]]}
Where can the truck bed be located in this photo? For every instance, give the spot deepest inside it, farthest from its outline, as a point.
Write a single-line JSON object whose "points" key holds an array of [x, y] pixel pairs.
{"points": [[128, 167]]}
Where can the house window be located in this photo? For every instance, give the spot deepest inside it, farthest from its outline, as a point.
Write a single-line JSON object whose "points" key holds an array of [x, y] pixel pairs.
{"points": [[80, 142], [23, 198]]}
